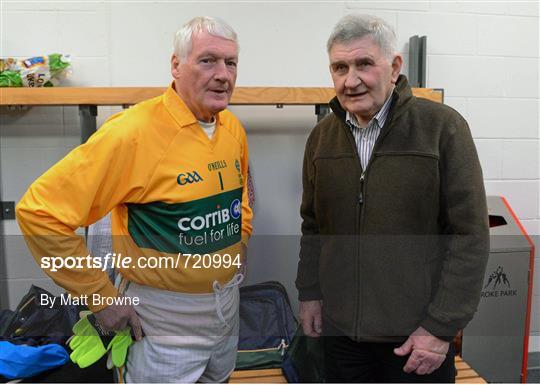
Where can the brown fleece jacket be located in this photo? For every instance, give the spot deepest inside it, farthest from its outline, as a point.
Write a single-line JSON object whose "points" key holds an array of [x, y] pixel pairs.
{"points": [[403, 243]]}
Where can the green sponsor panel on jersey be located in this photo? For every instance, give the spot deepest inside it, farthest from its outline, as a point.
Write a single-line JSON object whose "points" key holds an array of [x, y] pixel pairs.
{"points": [[200, 226]]}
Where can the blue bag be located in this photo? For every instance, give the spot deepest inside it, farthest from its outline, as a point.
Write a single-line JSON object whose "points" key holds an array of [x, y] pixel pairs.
{"points": [[267, 326], [21, 361]]}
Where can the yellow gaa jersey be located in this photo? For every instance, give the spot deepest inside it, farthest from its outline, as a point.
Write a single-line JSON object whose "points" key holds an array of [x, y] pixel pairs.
{"points": [[179, 201]]}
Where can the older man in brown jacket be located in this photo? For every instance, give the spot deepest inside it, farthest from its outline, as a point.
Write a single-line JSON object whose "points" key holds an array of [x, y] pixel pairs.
{"points": [[395, 225]]}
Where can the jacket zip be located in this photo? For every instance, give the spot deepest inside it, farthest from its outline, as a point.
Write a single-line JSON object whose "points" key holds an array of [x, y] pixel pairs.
{"points": [[361, 194], [361, 203], [359, 220], [359, 210]]}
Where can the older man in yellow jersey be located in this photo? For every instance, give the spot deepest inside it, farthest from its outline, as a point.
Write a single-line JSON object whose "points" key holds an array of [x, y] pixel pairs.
{"points": [[173, 171]]}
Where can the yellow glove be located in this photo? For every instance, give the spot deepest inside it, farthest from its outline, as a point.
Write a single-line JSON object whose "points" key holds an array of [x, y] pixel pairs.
{"points": [[87, 345]]}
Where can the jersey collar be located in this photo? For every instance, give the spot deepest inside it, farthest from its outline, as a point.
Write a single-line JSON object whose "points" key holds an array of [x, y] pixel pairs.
{"points": [[179, 110]]}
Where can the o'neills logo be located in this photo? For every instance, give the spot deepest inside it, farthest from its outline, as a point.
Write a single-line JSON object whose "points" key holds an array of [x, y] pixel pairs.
{"points": [[498, 285]]}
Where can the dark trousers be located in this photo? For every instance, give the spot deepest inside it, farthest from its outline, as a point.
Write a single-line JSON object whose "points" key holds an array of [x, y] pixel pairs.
{"points": [[348, 361]]}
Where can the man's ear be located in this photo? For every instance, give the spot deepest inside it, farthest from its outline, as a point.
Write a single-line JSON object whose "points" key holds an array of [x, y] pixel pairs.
{"points": [[397, 62], [175, 63]]}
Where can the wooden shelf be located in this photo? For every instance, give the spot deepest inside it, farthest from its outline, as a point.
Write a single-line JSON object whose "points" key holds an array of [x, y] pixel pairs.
{"points": [[118, 96]]}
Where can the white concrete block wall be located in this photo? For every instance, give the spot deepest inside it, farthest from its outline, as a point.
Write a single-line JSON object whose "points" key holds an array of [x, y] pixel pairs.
{"points": [[484, 54], [496, 118], [491, 33]]}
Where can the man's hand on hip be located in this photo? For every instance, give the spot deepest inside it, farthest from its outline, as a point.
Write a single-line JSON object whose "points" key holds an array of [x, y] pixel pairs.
{"points": [[118, 317], [427, 352], [311, 318]]}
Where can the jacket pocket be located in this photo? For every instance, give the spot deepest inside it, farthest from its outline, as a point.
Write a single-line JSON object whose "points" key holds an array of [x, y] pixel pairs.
{"points": [[335, 189], [402, 193]]}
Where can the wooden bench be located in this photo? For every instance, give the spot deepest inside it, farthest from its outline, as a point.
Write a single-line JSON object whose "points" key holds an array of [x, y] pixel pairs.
{"points": [[466, 375], [268, 376], [274, 376]]}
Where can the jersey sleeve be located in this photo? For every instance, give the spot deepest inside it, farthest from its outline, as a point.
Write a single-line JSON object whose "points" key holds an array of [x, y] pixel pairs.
{"points": [[247, 212], [77, 191]]}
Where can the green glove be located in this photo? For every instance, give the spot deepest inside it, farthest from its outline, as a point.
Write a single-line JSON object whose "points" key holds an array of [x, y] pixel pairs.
{"points": [[87, 344], [90, 342], [119, 346]]}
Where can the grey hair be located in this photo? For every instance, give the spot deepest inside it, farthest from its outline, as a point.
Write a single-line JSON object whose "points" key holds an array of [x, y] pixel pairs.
{"points": [[183, 39], [355, 26]]}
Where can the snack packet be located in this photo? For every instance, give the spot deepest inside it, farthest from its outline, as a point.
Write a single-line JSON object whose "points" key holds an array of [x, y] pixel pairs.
{"points": [[39, 71]]}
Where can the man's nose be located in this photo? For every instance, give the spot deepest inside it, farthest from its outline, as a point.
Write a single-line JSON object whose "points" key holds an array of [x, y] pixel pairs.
{"points": [[353, 79], [221, 73]]}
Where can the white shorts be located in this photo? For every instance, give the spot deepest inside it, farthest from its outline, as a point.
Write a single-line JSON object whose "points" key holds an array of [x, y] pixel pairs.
{"points": [[189, 337]]}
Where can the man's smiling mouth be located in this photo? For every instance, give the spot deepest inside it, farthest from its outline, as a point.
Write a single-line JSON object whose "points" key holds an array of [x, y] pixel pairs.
{"points": [[357, 94]]}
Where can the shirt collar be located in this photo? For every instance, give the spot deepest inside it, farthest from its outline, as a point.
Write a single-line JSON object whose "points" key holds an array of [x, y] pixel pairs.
{"points": [[379, 118], [179, 110]]}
